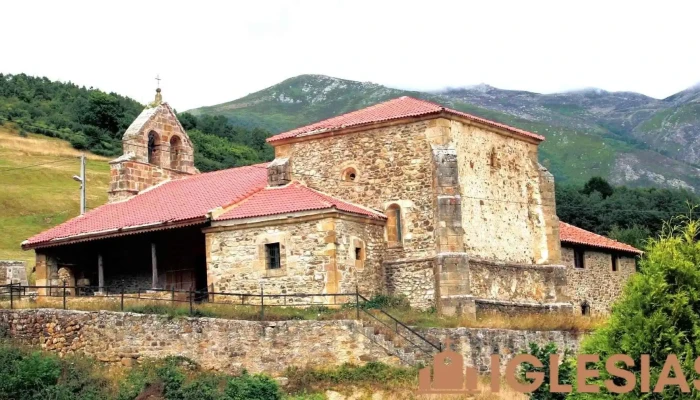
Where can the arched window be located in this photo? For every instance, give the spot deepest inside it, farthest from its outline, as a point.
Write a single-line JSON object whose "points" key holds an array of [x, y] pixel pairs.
{"points": [[152, 147], [393, 224], [175, 152], [585, 308]]}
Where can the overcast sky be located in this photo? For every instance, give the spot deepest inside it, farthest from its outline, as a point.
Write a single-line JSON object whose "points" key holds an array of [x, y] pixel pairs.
{"points": [[212, 52]]}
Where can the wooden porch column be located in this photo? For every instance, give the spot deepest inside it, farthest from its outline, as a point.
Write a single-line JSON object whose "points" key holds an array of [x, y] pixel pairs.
{"points": [[154, 266], [100, 274]]}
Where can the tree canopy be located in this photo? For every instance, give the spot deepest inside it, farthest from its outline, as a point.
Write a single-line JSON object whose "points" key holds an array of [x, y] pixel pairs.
{"points": [[626, 214]]}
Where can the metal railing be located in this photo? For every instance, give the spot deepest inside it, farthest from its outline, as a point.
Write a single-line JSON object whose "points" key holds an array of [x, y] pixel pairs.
{"points": [[396, 327], [16, 292]]}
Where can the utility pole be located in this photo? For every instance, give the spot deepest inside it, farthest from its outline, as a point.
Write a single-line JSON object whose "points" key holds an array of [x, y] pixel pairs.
{"points": [[83, 183]]}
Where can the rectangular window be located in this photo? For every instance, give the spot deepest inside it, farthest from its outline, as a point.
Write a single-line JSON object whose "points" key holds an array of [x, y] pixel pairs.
{"points": [[272, 255], [358, 253], [578, 258], [614, 259]]}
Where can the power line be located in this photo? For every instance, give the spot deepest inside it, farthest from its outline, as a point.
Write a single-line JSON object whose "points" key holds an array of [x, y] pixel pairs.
{"points": [[35, 165]]}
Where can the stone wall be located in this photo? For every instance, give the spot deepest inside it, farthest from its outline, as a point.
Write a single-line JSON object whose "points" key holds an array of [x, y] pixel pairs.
{"points": [[216, 344], [517, 282], [393, 165], [414, 279], [317, 256], [129, 177], [596, 283], [501, 198], [232, 345], [477, 345], [13, 272]]}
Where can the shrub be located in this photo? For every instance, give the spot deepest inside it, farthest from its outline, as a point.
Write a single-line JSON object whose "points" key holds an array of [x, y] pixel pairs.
{"points": [[658, 313], [252, 387], [566, 374]]}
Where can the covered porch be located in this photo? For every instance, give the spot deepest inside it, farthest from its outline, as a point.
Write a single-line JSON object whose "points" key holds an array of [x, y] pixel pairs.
{"points": [[170, 259]]}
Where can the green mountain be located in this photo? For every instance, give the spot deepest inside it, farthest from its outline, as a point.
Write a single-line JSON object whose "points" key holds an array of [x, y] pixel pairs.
{"points": [[628, 138]]}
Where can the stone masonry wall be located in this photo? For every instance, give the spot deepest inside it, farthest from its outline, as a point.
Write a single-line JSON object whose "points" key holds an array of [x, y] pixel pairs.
{"points": [[13, 272], [367, 271], [596, 283], [317, 256], [129, 177], [513, 282], [232, 345], [477, 345], [502, 212], [414, 279], [216, 344], [393, 166]]}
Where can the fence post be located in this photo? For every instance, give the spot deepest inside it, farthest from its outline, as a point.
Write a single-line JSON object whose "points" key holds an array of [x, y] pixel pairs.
{"points": [[262, 304], [122, 299], [19, 292], [12, 305], [357, 302], [191, 300], [64, 295], [172, 294]]}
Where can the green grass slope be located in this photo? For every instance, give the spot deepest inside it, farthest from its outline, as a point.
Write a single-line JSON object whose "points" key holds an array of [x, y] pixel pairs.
{"points": [[37, 197]]}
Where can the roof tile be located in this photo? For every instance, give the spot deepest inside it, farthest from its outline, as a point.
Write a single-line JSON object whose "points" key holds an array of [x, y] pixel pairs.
{"points": [[401, 107], [178, 200], [294, 197], [572, 234]]}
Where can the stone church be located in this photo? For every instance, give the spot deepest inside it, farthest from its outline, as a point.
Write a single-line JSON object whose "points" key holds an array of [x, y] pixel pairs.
{"points": [[405, 197]]}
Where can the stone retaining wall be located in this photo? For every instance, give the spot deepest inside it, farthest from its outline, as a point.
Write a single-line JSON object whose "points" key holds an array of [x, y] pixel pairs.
{"points": [[216, 344], [231, 345]]}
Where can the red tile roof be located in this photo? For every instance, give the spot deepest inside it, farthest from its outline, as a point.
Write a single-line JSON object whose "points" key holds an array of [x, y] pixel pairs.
{"points": [[175, 201], [398, 108], [572, 234], [294, 197]]}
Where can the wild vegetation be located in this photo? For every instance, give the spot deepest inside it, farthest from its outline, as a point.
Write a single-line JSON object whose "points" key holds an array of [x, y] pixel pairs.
{"points": [[90, 119]]}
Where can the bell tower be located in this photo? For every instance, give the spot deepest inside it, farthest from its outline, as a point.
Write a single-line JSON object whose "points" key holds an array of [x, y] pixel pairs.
{"points": [[155, 148]]}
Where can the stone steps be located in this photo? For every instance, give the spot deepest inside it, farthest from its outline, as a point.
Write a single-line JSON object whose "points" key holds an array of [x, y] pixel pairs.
{"points": [[406, 352]]}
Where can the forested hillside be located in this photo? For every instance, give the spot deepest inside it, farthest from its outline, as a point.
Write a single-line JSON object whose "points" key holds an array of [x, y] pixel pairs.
{"points": [[94, 120]]}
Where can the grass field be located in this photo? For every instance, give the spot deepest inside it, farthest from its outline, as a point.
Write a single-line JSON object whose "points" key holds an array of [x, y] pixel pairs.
{"points": [[36, 197]]}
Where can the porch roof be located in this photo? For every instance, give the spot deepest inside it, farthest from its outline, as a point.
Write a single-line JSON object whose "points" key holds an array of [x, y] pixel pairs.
{"points": [[173, 203]]}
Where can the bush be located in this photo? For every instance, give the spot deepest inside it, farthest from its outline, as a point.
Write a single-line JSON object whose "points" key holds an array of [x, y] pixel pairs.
{"points": [[567, 371], [658, 313], [252, 387]]}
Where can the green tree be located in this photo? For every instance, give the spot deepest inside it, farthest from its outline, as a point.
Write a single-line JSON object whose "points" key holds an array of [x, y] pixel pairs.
{"points": [[658, 314], [598, 184], [635, 235]]}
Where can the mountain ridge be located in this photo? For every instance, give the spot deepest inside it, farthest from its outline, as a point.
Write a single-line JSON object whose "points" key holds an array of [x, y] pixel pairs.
{"points": [[627, 137]]}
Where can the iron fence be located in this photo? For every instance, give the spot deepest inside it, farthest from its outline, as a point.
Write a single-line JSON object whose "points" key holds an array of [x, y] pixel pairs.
{"points": [[378, 317]]}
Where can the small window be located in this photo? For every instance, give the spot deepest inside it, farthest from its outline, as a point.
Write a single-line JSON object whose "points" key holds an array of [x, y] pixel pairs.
{"points": [[585, 308], [349, 174], [393, 224], [272, 255], [358, 253], [578, 258], [615, 260]]}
